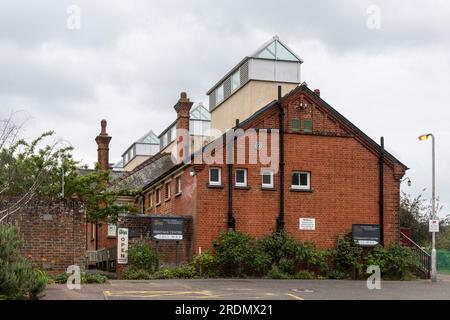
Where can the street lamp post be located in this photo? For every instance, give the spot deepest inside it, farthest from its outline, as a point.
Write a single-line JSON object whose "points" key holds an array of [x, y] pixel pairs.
{"points": [[433, 200]]}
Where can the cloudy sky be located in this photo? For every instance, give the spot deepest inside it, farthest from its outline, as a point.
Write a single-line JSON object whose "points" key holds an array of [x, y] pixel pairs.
{"points": [[385, 65]]}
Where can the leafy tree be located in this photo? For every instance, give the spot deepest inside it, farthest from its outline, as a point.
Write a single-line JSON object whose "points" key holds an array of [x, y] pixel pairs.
{"points": [[36, 168], [415, 212]]}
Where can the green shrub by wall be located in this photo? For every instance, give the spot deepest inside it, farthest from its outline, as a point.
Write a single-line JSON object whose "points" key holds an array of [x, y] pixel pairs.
{"points": [[18, 279]]}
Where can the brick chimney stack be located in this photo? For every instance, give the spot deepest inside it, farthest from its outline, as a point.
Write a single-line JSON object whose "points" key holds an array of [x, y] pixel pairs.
{"points": [[183, 108], [103, 147]]}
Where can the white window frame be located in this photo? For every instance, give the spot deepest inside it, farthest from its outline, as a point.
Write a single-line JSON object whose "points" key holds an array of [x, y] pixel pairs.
{"points": [[271, 174], [240, 184], [215, 183], [178, 185], [221, 88], [238, 75], [167, 190], [300, 187], [150, 205], [158, 196]]}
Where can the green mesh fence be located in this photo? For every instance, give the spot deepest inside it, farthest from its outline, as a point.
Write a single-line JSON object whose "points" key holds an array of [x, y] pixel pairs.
{"points": [[443, 261]]}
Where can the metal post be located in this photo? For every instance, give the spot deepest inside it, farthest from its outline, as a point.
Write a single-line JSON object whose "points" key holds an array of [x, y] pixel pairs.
{"points": [[62, 181], [176, 254], [157, 255], [433, 196]]}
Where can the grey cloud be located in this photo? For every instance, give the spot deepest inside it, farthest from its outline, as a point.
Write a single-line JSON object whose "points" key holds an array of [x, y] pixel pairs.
{"points": [[130, 60]]}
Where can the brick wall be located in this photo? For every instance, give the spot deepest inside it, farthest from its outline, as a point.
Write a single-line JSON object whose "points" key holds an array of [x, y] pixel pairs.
{"points": [[53, 233]]}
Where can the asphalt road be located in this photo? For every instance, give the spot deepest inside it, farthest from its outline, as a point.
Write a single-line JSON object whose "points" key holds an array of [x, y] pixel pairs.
{"points": [[253, 289]]}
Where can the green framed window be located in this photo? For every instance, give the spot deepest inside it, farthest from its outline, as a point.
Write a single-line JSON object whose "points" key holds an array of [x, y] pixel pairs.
{"points": [[295, 125], [307, 125]]}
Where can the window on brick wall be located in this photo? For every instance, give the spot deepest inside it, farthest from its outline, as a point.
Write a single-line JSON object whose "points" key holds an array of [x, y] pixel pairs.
{"points": [[307, 125], [301, 180], [215, 178], [150, 200], [158, 196], [241, 178], [178, 185], [167, 190], [295, 125], [267, 178]]}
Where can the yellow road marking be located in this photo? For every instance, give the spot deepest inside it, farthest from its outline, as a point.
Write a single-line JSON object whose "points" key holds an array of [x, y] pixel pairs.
{"points": [[154, 294], [294, 296]]}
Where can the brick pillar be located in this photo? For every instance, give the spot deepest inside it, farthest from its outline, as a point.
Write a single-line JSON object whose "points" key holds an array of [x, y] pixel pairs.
{"points": [[103, 147], [183, 108]]}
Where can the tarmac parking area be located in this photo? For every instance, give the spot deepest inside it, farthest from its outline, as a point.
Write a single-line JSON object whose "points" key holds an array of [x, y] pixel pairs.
{"points": [[252, 289]]}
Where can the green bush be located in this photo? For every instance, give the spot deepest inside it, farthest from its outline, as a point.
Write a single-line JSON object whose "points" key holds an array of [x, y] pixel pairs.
{"points": [[312, 258], [84, 278], [61, 278], [396, 262], [338, 275], [276, 273], [136, 274], [291, 255], [279, 246], [18, 279], [305, 275], [184, 271], [94, 278], [206, 265], [142, 256], [347, 257], [238, 255]]}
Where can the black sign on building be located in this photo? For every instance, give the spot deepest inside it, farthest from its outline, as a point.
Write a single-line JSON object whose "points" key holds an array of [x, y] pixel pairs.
{"points": [[168, 229], [367, 235]]}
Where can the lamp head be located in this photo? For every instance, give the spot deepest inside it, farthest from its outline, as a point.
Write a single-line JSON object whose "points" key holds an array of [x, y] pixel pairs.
{"points": [[424, 137]]}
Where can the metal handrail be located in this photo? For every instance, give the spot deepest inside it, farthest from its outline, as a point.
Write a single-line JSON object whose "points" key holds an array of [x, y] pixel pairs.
{"points": [[425, 257]]}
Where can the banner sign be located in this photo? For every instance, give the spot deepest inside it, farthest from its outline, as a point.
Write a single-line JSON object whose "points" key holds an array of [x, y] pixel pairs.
{"points": [[122, 246]]}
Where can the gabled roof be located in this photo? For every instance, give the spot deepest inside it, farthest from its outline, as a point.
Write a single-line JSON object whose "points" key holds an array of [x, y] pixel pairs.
{"points": [[200, 113], [150, 138], [319, 101], [274, 49]]}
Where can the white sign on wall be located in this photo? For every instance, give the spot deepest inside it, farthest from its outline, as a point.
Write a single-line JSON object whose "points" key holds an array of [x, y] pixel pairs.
{"points": [[307, 224], [434, 225], [122, 246], [112, 229]]}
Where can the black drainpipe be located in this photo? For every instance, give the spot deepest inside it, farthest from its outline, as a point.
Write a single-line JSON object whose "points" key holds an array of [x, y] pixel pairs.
{"points": [[381, 202], [230, 147], [280, 219], [96, 236]]}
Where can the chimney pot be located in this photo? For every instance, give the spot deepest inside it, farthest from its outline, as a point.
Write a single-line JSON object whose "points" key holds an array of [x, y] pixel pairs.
{"points": [[103, 141], [103, 123]]}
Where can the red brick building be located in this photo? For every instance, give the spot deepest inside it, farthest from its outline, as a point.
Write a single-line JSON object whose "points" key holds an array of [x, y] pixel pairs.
{"points": [[338, 167], [322, 168]]}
